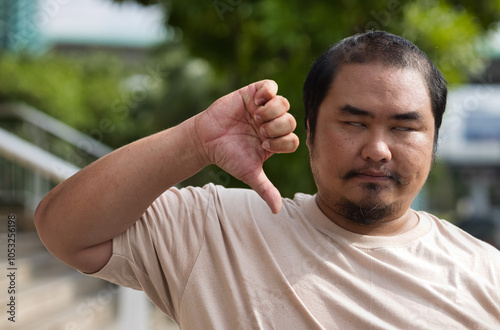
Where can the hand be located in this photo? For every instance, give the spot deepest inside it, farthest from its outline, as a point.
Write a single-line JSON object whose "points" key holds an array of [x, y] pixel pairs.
{"points": [[241, 130]]}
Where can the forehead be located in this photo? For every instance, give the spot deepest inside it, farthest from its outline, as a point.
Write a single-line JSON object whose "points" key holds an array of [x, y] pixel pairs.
{"points": [[376, 86]]}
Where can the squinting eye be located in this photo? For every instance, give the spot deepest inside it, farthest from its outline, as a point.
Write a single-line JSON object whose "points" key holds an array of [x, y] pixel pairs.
{"points": [[354, 123], [403, 129]]}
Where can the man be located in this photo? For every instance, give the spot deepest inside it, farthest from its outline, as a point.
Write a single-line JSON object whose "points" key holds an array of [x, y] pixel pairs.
{"points": [[353, 256]]}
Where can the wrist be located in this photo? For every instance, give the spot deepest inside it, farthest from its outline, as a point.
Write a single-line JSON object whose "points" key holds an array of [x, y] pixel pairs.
{"points": [[195, 143]]}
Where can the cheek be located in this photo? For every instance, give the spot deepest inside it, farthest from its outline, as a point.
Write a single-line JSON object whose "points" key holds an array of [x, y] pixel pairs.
{"points": [[333, 150], [336, 140], [414, 160]]}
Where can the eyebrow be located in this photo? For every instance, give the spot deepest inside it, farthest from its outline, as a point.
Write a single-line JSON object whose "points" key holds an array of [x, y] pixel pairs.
{"points": [[354, 111], [411, 116]]}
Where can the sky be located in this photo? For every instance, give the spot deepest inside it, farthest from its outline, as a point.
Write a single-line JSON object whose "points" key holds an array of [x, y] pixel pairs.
{"points": [[100, 21]]}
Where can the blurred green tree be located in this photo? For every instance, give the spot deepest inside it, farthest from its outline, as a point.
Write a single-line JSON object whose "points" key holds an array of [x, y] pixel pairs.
{"points": [[217, 46], [241, 41], [77, 91]]}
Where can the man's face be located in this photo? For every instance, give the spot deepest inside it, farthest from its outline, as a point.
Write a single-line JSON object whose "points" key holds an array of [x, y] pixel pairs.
{"points": [[373, 143]]}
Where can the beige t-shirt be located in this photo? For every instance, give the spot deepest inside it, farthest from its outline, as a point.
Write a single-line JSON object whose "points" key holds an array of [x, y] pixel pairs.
{"points": [[216, 258]]}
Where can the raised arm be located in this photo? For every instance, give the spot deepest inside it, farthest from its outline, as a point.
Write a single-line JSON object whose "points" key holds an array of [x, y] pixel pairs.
{"points": [[79, 218]]}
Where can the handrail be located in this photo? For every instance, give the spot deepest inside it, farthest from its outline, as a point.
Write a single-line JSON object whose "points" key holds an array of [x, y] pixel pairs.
{"points": [[54, 127], [35, 158]]}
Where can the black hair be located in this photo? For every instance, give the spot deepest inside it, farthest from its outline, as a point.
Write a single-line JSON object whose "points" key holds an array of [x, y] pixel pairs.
{"points": [[370, 47]]}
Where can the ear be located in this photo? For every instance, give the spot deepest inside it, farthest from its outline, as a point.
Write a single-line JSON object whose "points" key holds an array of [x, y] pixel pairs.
{"points": [[308, 142]]}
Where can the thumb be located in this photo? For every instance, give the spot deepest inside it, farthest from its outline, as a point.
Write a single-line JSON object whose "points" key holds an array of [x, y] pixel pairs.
{"points": [[267, 191]]}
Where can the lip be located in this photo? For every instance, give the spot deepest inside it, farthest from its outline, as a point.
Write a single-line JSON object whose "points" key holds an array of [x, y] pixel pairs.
{"points": [[372, 178], [375, 176]]}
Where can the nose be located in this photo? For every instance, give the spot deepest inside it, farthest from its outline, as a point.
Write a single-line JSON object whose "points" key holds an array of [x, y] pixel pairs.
{"points": [[376, 149]]}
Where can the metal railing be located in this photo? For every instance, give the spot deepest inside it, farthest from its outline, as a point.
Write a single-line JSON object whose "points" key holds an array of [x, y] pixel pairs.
{"points": [[37, 152], [30, 166]]}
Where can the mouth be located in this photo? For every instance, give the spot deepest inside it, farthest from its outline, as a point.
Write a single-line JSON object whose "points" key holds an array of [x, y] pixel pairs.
{"points": [[373, 175]]}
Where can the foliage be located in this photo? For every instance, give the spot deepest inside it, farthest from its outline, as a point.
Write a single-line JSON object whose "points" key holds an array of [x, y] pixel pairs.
{"points": [[255, 38], [242, 41], [217, 46], [78, 91]]}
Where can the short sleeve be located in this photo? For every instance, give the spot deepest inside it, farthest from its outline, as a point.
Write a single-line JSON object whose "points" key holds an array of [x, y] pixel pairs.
{"points": [[158, 252]]}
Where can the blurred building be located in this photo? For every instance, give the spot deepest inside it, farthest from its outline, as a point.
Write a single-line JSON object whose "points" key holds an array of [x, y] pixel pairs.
{"points": [[37, 26], [19, 25], [470, 146], [470, 142]]}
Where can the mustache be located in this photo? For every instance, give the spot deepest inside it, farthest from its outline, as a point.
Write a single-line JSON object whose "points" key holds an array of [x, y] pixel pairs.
{"points": [[360, 171]]}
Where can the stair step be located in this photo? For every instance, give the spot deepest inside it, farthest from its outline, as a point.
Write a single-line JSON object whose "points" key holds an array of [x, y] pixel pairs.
{"points": [[38, 265], [52, 295], [41, 299], [84, 313], [49, 297]]}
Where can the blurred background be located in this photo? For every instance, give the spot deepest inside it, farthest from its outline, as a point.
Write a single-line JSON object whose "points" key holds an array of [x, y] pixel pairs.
{"points": [[81, 78]]}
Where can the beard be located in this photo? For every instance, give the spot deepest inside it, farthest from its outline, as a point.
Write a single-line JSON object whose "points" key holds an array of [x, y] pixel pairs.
{"points": [[369, 210]]}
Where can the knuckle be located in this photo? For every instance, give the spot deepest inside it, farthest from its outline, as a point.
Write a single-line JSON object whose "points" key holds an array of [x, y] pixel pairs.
{"points": [[292, 122], [295, 143], [284, 101], [273, 109], [287, 143], [280, 127], [268, 86]]}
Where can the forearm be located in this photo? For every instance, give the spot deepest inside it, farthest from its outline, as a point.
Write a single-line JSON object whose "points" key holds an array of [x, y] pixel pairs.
{"points": [[107, 197], [79, 218]]}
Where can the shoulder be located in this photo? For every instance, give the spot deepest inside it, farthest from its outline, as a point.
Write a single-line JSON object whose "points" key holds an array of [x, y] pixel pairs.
{"points": [[243, 200], [232, 209], [450, 235], [240, 206]]}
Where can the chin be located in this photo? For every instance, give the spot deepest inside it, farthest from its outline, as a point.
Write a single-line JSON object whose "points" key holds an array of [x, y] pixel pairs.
{"points": [[368, 211]]}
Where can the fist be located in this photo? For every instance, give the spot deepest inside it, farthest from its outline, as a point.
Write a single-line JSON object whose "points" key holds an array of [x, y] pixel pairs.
{"points": [[270, 116], [241, 130]]}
